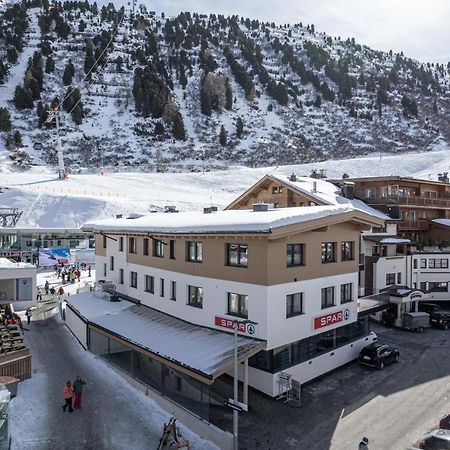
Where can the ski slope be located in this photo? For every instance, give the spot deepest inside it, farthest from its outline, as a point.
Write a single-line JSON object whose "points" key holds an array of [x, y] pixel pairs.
{"points": [[49, 202]]}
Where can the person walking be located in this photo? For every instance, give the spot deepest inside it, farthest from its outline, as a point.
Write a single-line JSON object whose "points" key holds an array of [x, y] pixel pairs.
{"points": [[364, 444], [89, 271], [68, 393], [78, 391], [60, 291], [39, 295], [47, 287], [28, 314]]}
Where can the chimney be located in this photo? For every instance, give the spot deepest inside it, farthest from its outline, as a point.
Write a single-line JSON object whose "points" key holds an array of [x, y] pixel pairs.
{"points": [[314, 174], [119, 216], [443, 177], [293, 177], [258, 207], [209, 209], [348, 189], [314, 186], [345, 176]]}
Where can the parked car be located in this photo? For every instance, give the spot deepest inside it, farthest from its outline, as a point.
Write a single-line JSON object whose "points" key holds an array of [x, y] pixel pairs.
{"points": [[416, 321], [428, 307], [440, 318], [378, 355], [436, 440], [444, 423]]}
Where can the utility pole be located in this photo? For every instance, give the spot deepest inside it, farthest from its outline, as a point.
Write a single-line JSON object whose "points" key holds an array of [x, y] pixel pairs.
{"points": [[54, 113], [235, 385]]}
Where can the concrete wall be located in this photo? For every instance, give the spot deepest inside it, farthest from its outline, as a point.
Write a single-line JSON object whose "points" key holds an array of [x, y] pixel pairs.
{"points": [[8, 277], [76, 326]]}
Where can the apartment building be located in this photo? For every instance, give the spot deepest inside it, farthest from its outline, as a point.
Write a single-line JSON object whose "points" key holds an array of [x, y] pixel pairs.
{"points": [[289, 274], [417, 204]]}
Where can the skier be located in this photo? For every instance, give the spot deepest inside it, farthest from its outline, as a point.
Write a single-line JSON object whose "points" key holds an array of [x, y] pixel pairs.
{"points": [[78, 391], [68, 393], [78, 274], [28, 313], [47, 287]]}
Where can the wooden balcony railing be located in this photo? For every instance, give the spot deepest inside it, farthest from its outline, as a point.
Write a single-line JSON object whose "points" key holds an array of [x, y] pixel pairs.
{"points": [[410, 200]]}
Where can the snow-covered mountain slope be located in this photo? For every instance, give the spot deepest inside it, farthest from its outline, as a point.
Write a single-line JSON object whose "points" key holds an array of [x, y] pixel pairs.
{"points": [[301, 95], [49, 202]]}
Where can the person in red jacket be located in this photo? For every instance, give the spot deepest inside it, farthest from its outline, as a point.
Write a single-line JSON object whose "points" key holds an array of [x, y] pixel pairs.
{"points": [[68, 394]]}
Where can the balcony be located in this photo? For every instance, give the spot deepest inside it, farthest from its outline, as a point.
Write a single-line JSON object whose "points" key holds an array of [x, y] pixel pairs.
{"points": [[417, 225], [409, 200]]}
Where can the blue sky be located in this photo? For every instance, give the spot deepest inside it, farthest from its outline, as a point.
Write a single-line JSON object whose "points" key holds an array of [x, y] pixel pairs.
{"points": [[419, 28]]}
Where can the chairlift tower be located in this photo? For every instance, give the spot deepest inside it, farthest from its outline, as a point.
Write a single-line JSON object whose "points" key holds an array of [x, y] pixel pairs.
{"points": [[54, 114]]}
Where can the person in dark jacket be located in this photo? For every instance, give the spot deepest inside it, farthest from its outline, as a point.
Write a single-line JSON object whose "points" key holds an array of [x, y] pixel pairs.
{"points": [[364, 444], [68, 393], [78, 391]]}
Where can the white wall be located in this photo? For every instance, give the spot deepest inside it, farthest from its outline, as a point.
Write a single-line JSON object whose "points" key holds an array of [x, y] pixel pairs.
{"points": [[389, 264], [18, 273], [76, 326]]}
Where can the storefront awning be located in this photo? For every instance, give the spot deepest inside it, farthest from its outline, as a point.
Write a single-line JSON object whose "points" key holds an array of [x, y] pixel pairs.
{"points": [[201, 351]]}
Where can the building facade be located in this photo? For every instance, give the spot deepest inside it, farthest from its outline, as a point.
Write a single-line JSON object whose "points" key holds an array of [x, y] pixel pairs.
{"points": [[296, 281]]}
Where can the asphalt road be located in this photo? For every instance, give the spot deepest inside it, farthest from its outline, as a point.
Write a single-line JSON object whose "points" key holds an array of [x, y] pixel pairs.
{"points": [[114, 415], [393, 407]]}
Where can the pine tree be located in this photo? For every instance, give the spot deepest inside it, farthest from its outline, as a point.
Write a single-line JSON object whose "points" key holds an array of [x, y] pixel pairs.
{"points": [[5, 120], [159, 129], [11, 55], [228, 97], [17, 138], [89, 58], [49, 65], [78, 114], [223, 136], [178, 129], [69, 72], [239, 127], [318, 102]]}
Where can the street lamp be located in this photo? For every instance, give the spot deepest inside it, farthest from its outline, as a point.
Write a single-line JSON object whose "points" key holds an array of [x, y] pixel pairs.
{"points": [[235, 404]]}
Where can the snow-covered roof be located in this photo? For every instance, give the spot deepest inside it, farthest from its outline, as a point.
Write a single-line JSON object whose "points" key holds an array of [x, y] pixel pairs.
{"points": [[202, 350], [6, 263], [444, 222], [229, 221], [94, 304], [36, 230], [328, 193], [379, 239]]}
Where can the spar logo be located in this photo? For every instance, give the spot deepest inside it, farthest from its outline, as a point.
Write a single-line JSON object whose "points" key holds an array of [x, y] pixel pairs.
{"points": [[249, 328], [331, 319]]}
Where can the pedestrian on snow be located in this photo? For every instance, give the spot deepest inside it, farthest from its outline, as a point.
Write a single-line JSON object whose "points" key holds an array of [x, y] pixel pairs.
{"points": [[61, 291], [63, 278], [39, 295], [47, 287], [78, 274], [68, 393], [52, 291], [89, 271], [28, 313], [78, 391], [364, 444]]}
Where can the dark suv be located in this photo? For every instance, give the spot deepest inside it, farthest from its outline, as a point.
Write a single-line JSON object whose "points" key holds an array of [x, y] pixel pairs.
{"points": [[436, 440], [440, 318], [428, 307], [378, 355]]}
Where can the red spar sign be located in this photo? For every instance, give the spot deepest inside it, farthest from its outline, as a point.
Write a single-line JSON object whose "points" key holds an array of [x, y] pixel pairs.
{"points": [[247, 328], [331, 319]]}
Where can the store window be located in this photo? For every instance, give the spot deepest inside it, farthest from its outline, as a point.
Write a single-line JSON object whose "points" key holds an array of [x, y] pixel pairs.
{"points": [[237, 305]]}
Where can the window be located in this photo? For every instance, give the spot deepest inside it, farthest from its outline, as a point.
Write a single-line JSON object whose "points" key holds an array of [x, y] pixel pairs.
{"points": [[121, 276], [172, 249], [409, 215], [158, 248], [195, 251], [121, 244], [295, 255], [237, 305], [327, 297], [347, 251], [104, 269], [149, 284], [438, 286], [346, 292], [195, 296], [371, 193], [237, 255], [438, 263], [390, 278], [414, 263], [161, 287], [294, 304], [399, 278], [173, 290], [423, 285], [328, 252], [423, 263], [275, 190], [111, 263], [104, 241], [133, 280], [145, 246], [430, 194], [132, 245]]}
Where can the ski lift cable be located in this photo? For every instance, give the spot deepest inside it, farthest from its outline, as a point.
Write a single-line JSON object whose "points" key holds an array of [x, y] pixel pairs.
{"points": [[95, 62]]}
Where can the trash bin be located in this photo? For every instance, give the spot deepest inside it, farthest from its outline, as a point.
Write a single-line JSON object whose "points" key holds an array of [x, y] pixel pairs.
{"points": [[11, 384]]}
